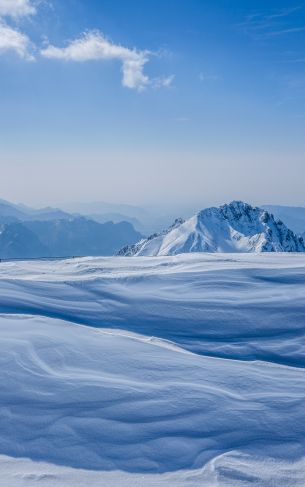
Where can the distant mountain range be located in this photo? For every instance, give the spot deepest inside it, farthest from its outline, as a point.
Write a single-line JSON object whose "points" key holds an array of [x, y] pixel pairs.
{"points": [[144, 220], [51, 232], [30, 233], [10, 212], [235, 227]]}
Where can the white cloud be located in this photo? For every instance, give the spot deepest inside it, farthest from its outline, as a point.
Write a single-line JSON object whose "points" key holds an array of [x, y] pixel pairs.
{"points": [[95, 46], [90, 46], [13, 40], [16, 8]]}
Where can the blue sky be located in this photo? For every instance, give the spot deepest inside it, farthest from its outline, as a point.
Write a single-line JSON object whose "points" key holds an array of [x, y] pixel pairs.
{"points": [[175, 102]]}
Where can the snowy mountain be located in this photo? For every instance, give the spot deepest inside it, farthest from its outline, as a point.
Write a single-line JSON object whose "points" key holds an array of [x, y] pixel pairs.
{"points": [[234, 227], [292, 216]]}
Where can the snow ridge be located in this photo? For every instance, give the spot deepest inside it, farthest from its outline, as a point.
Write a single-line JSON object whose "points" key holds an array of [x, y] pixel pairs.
{"points": [[233, 227]]}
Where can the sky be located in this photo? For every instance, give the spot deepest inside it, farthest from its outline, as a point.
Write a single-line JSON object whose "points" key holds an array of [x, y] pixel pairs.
{"points": [[158, 102]]}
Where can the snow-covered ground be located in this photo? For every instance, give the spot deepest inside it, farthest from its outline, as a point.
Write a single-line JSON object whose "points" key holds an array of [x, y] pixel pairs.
{"points": [[172, 371]]}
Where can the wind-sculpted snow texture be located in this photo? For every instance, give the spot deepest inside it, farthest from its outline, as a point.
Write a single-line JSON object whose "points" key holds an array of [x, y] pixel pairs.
{"points": [[180, 371], [235, 227]]}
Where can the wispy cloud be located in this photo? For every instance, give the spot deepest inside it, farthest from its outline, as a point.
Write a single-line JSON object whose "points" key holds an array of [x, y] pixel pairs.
{"points": [[94, 46], [208, 77], [263, 25], [165, 82], [285, 12], [281, 32]]}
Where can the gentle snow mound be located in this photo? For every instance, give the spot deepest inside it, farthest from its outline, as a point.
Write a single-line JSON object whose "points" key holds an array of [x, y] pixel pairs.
{"points": [[241, 306], [77, 397]]}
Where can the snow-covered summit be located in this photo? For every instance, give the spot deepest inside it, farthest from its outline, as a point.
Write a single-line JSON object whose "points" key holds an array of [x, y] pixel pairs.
{"points": [[233, 227]]}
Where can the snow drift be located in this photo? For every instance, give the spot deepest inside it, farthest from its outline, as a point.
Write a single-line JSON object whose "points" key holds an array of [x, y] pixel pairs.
{"points": [[178, 371]]}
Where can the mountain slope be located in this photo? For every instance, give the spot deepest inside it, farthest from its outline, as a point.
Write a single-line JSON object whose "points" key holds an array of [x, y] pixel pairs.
{"points": [[292, 216], [18, 241], [235, 227], [63, 238], [117, 218], [10, 212]]}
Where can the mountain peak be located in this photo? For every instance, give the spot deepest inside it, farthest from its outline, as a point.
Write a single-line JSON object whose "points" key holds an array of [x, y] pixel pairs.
{"points": [[233, 227]]}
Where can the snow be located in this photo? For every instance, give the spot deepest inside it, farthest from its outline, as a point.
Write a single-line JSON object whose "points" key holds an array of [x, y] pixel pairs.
{"points": [[235, 227], [25, 472], [180, 371], [227, 470]]}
